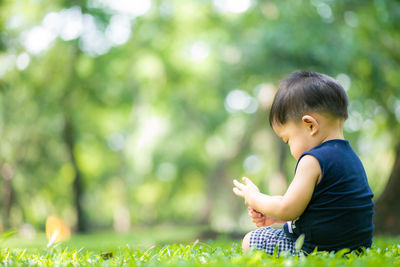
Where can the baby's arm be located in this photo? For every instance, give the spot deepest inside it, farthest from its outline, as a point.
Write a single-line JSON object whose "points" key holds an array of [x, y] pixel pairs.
{"points": [[294, 202]]}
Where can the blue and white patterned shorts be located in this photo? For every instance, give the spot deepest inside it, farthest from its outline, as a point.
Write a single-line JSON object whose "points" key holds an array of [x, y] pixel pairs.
{"points": [[267, 238]]}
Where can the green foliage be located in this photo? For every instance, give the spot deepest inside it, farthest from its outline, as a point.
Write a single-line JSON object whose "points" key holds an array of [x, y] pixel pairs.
{"points": [[220, 253], [152, 137], [6, 235]]}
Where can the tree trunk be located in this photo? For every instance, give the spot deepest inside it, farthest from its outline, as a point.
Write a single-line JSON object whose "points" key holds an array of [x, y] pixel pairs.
{"points": [[218, 176], [78, 183], [387, 207], [213, 183]]}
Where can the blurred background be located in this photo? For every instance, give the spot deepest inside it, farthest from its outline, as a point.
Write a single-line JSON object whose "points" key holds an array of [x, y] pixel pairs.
{"points": [[118, 114]]}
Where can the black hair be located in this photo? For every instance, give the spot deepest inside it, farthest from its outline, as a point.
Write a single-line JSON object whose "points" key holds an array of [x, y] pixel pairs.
{"points": [[306, 91]]}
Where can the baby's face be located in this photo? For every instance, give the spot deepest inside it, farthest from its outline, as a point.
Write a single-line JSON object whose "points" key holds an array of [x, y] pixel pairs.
{"points": [[296, 136]]}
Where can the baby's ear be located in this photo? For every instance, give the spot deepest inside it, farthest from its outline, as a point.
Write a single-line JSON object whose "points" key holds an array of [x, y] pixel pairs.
{"points": [[311, 124]]}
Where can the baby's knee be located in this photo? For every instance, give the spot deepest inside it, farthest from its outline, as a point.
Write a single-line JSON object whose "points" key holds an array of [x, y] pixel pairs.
{"points": [[246, 242]]}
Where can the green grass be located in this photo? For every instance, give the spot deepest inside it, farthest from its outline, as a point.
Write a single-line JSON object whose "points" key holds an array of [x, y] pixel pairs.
{"points": [[105, 240], [385, 252]]}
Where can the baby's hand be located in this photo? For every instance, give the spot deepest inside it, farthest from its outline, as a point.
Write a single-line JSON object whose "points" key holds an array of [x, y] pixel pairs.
{"points": [[260, 219], [246, 189]]}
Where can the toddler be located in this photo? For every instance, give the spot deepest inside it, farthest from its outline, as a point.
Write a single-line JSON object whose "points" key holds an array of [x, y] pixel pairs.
{"points": [[329, 200]]}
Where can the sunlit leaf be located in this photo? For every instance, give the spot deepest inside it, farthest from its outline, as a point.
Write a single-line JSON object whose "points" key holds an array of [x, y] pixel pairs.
{"points": [[56, 230]]}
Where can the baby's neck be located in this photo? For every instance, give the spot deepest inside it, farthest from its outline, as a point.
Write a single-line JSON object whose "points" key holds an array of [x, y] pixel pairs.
{"points": [[332, 129]]}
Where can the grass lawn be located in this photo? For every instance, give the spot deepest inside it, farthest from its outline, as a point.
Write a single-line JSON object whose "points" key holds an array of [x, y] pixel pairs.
{"points": [[108, 240], [155, 247]]}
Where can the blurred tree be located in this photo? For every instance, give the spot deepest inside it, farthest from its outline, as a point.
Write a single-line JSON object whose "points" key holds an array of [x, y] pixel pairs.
{"points": [[378, 67], [145, 113]]}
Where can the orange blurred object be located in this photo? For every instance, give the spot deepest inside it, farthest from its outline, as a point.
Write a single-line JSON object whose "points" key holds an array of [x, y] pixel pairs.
{"points": [[56, 230]]}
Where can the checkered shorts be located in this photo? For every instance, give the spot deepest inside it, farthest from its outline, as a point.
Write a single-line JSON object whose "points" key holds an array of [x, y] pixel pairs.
{"points": [[267, 238]]}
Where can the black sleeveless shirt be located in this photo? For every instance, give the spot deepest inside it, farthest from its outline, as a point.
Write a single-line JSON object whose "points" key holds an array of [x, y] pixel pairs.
{"points": [[340, 211]]}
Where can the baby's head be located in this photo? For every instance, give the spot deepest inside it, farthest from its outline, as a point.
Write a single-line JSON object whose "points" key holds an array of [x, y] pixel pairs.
{"points": [[308, 109]]}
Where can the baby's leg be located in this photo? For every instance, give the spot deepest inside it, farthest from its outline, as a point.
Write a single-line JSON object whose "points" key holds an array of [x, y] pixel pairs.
{"points": [[246, 242]]}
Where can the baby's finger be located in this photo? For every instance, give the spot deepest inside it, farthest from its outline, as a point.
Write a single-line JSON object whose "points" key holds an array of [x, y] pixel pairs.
{"points": [[251, 210], [246, 180], [260, 224], [238, 192], [258, 217], [238, 185], [257, 220], [256, 213], [250, 213]]}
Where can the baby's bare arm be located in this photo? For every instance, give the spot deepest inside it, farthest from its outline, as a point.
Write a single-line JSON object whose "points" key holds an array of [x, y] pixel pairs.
{"points": [[294, 202]]}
